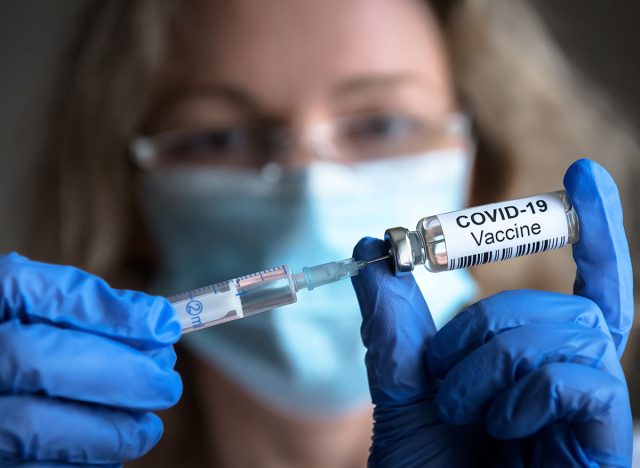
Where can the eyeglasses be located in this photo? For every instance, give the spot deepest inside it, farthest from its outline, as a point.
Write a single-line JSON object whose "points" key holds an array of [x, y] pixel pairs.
{"points": [[347, 139]]}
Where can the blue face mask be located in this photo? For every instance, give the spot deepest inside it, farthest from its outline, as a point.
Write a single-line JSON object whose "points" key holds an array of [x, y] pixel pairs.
{"points": [[305, 360]]}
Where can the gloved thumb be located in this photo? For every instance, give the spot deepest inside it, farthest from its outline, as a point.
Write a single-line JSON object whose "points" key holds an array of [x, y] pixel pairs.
{"points": [[396, 329], [602, 254]]}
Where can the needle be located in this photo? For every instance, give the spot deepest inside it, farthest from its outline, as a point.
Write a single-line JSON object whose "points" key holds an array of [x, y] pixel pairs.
{"points": [[384, 257]]}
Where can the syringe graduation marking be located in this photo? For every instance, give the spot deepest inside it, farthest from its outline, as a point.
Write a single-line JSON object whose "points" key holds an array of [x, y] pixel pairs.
{"points": [[217, 288], [507, 253]]}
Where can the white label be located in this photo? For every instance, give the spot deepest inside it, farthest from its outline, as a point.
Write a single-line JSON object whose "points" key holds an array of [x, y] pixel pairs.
{"points": [[208, 306], [504, 230]]}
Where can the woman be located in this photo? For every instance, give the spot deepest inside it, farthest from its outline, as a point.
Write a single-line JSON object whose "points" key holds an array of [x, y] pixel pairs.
{"points": [[270, 81]]}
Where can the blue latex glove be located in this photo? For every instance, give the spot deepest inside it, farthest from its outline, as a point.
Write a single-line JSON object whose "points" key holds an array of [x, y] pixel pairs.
{"points": [[81, 367], [521, 378]]}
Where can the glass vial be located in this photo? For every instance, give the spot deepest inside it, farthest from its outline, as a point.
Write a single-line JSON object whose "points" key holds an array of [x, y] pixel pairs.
{"points": [[485, 234]]}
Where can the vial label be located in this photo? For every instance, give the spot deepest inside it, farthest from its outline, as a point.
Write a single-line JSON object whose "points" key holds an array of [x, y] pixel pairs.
{"points": [[504, 230]]}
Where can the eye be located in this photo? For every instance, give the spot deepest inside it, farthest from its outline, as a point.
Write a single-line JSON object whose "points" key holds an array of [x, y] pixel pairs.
{"points": [[210, 143], [380, 127]]}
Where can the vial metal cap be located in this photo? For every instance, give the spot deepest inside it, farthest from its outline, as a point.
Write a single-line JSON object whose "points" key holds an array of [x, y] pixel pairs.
{"points": [[400, 249]]}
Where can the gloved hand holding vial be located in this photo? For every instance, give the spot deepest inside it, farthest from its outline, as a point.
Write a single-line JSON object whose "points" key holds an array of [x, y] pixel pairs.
{"points": [[519, 378]]}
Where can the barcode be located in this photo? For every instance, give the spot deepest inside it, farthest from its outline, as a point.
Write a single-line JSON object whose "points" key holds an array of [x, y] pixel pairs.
{"points": [[507, 253]]}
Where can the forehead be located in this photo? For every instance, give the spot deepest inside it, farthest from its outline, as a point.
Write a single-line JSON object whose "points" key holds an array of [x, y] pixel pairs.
{"points": [[289, 50]]}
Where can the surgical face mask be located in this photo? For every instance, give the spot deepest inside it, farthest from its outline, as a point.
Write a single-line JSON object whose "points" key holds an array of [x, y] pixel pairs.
{"points": [[305, 360]]}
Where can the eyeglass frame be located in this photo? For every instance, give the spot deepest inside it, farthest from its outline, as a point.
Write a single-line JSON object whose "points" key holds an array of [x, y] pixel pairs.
{"points": [[145, 150]]}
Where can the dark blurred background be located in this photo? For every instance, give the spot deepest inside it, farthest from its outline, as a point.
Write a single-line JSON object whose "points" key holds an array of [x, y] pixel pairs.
{"points": [[602, 39]]}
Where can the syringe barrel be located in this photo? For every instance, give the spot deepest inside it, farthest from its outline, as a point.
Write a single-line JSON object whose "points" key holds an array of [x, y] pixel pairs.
{"points": [[268, 293], [485, 234], [237, 298]]}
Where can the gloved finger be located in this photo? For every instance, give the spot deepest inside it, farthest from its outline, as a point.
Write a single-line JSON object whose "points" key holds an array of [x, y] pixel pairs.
{"points": [[470, 387], [46, 429], [396, 329], [602, 254], [71, 298], [594, 402], [504, 311], [80, 366], [165, 357]]}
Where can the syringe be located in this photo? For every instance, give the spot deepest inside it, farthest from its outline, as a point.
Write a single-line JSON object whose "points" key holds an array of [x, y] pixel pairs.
{"points": [[258, 292]]}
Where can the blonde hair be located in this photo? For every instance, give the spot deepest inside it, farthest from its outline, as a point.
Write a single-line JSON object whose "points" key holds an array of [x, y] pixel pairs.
{"points": [[89, 217], [533, 117], [531, 103]]}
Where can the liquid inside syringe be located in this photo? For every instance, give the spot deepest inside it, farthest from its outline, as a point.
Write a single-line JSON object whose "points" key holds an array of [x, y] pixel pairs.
{"points": [[258, 292]]}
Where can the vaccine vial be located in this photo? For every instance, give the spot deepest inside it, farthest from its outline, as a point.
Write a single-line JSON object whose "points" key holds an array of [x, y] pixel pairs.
{"points": [[485, 234]]}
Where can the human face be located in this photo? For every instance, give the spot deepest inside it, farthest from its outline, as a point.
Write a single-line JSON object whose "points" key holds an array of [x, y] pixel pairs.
{"points": [[296, 64]]}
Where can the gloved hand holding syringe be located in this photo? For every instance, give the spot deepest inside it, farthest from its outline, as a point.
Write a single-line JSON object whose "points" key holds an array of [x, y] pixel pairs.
{"points": [[483, 234]]}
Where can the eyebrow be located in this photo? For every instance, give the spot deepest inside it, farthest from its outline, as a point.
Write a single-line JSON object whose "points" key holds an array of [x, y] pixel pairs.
{"points": [[374, 84], [353, 87], [226, 93]]}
